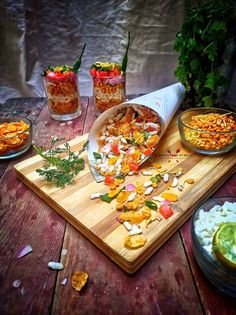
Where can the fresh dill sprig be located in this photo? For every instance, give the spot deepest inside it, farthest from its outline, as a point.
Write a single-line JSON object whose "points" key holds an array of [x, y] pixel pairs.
{"points": [[58, 170]]}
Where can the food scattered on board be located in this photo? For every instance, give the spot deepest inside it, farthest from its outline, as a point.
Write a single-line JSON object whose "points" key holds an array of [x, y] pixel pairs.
{"points": [[137, 212], [13, 136], [78, 280], [216, 232], [127, 140], [24, 251], [58, 170], [211, 131]]}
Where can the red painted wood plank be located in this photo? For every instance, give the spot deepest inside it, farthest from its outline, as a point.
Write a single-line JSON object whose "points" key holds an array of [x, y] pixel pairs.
{"points": [[213, 300], [25, 219]]}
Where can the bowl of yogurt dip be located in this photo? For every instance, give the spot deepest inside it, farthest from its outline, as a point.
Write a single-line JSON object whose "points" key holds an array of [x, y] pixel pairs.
{"points": [[213, 232]]}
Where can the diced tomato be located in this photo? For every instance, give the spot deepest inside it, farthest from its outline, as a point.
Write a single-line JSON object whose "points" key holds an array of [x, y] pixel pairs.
{"points": [[166, 211], [150, 129], [103, 73], [147, 151], [93, 72], [116, 72], [115, 149], [133, 166], [109, 180]]}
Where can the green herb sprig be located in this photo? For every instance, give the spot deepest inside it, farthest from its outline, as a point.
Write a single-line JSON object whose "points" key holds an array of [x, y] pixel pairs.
{"points": [[57, 170]]}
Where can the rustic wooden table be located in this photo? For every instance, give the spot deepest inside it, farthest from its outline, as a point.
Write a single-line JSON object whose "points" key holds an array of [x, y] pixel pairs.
{"points": [[169, 283]]}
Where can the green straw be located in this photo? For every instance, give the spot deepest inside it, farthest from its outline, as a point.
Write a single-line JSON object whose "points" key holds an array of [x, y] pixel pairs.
{"points": [[78, 62]]}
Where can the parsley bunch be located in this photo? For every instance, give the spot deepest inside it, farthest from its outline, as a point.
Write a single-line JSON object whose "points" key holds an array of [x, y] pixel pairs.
{"points": [[58, 170], [207, 34]]}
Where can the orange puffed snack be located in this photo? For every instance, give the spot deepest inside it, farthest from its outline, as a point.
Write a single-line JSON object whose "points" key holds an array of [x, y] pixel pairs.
{"points": [[13, 135]]}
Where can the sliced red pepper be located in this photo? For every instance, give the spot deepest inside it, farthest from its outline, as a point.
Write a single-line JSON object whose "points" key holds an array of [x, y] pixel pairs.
{"points": [[133, 166], [147, 151], [115, 149], [109, 180], [166, 211]]}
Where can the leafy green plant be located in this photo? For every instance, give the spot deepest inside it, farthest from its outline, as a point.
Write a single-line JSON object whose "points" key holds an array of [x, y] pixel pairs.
{"points": [[201, 43]]}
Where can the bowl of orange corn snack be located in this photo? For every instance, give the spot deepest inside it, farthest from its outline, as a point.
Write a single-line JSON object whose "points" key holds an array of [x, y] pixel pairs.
{"points": [[15, 136], [208, 130]]}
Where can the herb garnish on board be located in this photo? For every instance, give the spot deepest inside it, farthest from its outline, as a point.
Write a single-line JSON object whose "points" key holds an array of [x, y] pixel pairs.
{"points": [[58, 170]]}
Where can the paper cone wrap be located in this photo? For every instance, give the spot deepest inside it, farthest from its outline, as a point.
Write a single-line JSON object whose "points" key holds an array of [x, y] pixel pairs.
{"points": [[165, 102]]}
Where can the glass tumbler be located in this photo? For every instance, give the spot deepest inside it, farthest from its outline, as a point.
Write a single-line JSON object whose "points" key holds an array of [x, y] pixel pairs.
{"points": [[108, 91], [62, 95]]}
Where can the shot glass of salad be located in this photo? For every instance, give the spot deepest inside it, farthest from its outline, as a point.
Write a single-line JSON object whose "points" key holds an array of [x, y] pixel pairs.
{"points": [[61, 86], [109, 81], [108, 85]]}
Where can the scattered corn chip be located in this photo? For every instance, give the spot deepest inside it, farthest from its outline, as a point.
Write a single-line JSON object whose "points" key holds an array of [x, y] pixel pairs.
{"points": [[169, 196], [135, 241], [189, 180], [78, 280], [132, 216], [112, 193], [156, 165], [123, 196]]}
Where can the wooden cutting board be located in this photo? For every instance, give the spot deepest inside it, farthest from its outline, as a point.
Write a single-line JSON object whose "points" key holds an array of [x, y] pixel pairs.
{"points": [[97, 220]]}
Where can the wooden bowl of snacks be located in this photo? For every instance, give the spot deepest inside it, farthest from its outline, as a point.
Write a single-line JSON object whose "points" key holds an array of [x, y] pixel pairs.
{"points": [[213, 234], [15, 136], [208, 130]]}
